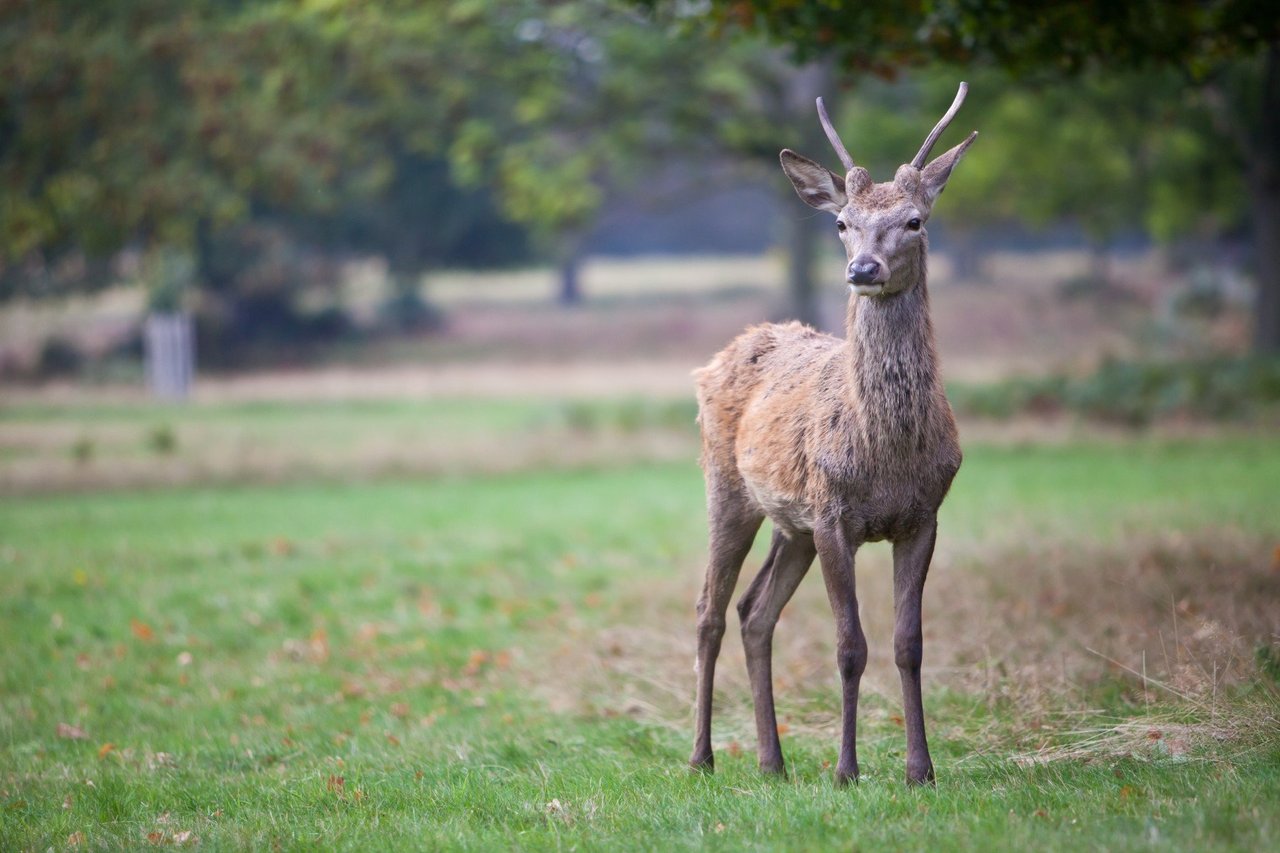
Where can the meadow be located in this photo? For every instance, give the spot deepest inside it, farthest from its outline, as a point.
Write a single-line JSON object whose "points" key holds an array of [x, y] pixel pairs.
{"points": [[499, 656], [437, 592]]}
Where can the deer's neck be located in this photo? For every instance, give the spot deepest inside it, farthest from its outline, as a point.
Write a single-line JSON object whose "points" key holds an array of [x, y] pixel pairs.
{"points": [[894, 381]]}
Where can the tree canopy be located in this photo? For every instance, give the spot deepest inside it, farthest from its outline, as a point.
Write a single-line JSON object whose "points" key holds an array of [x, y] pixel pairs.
{"points": [[1224, 53]]}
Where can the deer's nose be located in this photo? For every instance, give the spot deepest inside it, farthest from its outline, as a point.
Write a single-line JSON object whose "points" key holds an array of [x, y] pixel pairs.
{"points": [[863, 272]]}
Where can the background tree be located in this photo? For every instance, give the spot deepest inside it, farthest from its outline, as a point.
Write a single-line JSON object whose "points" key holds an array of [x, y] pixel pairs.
{"points": [[1227, 53]]}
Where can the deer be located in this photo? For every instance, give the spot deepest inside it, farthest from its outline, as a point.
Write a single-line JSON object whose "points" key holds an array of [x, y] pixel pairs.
{"points": [[838, 443]]}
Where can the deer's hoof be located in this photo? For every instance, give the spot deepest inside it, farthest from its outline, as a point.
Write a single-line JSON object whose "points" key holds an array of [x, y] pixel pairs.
{"points": [[921, 774], [774, 768], [703, 763], [846, 776]]}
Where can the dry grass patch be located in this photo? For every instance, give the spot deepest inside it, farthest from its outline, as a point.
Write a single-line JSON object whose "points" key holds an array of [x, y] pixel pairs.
{"points": [[1040, 635]]}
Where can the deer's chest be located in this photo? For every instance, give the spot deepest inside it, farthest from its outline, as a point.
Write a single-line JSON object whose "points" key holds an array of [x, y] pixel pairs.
{"points": [[882, 497]]}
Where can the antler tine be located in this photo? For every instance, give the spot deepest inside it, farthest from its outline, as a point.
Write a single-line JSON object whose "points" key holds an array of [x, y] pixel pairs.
{"points": [[929, 141], [834, 137]]}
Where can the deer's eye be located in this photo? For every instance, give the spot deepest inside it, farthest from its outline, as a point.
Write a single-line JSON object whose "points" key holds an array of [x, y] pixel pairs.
{"points": [[913, 225], [841, 227]]}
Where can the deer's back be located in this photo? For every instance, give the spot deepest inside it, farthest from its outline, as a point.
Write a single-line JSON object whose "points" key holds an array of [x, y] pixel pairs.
{"points": [[759, 401]]}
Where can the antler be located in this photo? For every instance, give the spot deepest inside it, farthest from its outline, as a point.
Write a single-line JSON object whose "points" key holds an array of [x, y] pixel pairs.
{"points": [[918, 162], [834, 137]]}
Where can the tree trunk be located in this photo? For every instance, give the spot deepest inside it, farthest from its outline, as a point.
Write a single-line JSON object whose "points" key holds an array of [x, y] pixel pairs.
{"points": [[570, 288], [1266, 235], [968, 257], [1265, 202], [569, 268], [1099, 262], [801, 245], [806, 227]]}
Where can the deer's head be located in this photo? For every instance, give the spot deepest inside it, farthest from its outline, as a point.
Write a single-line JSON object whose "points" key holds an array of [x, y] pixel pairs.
{"points": [[881, 225]]}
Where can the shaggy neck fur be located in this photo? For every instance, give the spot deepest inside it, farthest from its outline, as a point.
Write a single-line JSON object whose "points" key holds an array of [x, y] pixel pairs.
{"points": [[894, 381]]}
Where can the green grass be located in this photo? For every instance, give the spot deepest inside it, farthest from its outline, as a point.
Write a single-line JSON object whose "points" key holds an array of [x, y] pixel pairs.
{"points": [[375, 666]]}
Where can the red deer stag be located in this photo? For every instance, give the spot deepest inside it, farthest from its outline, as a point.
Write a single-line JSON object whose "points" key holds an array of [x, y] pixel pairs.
{"points": [[839, 442]]}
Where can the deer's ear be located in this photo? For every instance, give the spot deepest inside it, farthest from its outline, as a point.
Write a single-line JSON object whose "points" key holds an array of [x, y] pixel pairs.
{"points": [[816, 185], [933, 178]]}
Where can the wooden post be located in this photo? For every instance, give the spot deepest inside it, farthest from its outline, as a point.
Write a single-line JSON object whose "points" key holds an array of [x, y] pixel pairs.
{"points": [[170, 355]]}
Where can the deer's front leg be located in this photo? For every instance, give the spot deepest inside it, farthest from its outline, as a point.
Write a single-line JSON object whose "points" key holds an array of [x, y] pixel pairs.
{"points": [[911, 559], [836, 551]]}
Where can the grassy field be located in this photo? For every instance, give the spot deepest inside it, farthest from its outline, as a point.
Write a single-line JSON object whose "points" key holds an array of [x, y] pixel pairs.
{"points": [[503, 660]]}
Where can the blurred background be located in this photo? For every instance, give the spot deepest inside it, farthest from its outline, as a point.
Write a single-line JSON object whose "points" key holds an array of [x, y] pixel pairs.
{"points": [[347, 431], [330, 201]]}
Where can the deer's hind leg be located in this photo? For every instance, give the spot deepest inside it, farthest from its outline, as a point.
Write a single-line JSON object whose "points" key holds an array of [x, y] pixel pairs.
{"points": [[734, 522], [759, 608]]}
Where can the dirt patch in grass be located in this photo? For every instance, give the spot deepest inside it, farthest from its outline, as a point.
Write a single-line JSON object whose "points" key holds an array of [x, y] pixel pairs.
{"points": [[1041, 634]]}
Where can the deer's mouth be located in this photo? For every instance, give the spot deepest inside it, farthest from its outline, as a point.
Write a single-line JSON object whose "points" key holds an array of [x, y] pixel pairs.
{"points": [[869, 289]]}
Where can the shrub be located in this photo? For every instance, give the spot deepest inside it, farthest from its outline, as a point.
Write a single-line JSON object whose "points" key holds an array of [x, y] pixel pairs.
{"points": [[1135, 393]]}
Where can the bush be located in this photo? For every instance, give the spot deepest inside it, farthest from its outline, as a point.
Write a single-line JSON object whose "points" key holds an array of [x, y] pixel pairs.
{"points": [[1135, 393], [58, 357]]}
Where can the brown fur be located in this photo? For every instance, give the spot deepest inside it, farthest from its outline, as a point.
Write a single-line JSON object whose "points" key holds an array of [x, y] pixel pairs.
{"points": [[838, 442]]}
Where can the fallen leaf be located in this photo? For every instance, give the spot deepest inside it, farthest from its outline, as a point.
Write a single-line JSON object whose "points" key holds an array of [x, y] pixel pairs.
{"points": [[156, 837], [475, 662], [783, 728], [106, 749], [336, 784], [185, 659], [319, 645], [75, 839], [185, 836], [141, 630], [282, 547], [896, 720], [400, 709], [71, 732], [392, 739], [734, 748], [67, 802], [719, 827]]}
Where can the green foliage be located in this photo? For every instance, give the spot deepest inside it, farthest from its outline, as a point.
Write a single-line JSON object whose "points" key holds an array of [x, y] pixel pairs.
{"points": [[1136, 393], [82, 450], [151, 121], [1027, 38], [59, 357], [169, 274], [162, 439]]}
